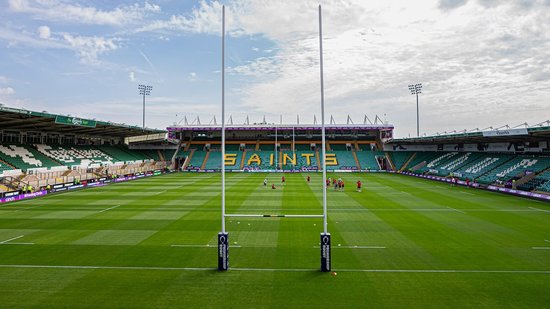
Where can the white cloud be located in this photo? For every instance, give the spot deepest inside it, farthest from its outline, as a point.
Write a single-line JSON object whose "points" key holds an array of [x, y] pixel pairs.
{"points": [[7, 91], [204, 19], [61, 11], [475, 58], [89, 48], [3, 79], [44, 32], [132, 76]]}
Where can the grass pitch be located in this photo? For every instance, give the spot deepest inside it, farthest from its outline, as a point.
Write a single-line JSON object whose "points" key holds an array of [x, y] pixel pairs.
{"points": [[402, 242]]}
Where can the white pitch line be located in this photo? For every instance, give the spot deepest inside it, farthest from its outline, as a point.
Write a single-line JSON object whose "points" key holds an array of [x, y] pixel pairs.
{"points": [[285, 269], [541, 248], [355, 247], [202, 246], [547, 240], [17, 243], [27, 208], [109, 208], [8, 240], [460, 211], [539, 209]]}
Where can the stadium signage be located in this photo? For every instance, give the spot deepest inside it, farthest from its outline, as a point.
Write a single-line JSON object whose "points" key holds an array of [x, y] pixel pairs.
{"points": [[509, 132], [22, 196], [325, 252], [75, 121]]}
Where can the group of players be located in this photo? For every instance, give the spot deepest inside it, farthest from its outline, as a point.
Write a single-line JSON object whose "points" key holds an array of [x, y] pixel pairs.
{"points": [[337, 183]]}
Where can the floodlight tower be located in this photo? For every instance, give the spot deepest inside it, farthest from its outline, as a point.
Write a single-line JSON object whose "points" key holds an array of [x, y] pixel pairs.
{"points": [[416, 90], [144, 90]]}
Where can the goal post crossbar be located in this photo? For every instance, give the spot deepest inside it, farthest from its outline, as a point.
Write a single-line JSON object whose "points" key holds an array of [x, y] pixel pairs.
{"points": [[272, 216]]}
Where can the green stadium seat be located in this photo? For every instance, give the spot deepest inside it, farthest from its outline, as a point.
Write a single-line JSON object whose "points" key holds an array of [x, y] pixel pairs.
{"points": [[24, 157]]}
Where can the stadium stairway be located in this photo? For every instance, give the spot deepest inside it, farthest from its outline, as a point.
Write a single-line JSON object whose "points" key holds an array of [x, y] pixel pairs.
{"points": [[189, 157], [398, 158], [355, 158], [207, 155], [241, 165], [408, 162], [390, 161], [317, 158]]}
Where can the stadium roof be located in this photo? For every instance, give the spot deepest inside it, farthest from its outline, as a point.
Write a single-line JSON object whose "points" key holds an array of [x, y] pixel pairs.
{"points": [[25, 120], [272, 126], [531, 134]]}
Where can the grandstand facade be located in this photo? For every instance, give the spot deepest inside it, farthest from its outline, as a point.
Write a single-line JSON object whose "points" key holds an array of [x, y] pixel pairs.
{"points": [[39, 148], [281, 147], [517, 159]]}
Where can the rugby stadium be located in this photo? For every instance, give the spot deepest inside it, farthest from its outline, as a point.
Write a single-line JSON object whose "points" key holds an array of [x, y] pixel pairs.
{"points": [[100, 213], [263, 213]]}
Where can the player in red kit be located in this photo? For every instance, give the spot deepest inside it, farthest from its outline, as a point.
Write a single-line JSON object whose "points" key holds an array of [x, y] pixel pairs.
{"points": [[358, 185]]}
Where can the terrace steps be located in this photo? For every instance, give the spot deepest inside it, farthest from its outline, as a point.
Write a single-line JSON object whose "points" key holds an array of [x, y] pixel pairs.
{"points": [[390, 162], [407, 163], [356, 159], [241, 167], [186, 163], [205, 160]]}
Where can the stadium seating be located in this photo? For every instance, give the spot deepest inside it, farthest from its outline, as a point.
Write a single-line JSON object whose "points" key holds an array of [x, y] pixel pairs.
{"points": [[399, 158], [197, 159], [338, 147], [24, 157], [302, 147], [434, 163], [4, 167], [267, 147], [514, 167], [543, 181], [232, 147], [345, 159], [483, 164], [536, 183], [215, 160], [367, 159], [75, 155], [457, 162], [264, 157], [122, 154], [151, 153], [422, 157]]}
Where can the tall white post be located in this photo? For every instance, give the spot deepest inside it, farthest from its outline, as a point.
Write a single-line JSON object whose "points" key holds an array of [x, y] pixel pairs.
{"points": [[276, 152], [324, 165], [223, 236], [326, 261], [223, 119]]}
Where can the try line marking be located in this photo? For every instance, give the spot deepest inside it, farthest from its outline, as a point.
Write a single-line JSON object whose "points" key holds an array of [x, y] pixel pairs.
{"points": [[539, 209], [109, 208], [355, 247], [541, 248], [440, 271], [7, 241], [460, 211], [203, 246]]}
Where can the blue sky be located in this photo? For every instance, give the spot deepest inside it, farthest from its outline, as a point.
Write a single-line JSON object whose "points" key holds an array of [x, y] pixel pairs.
{"points": [[483, 63]]}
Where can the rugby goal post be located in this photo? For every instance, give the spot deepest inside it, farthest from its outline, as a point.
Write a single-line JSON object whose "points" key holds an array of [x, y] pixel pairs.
{"points": [[223, 236]]}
